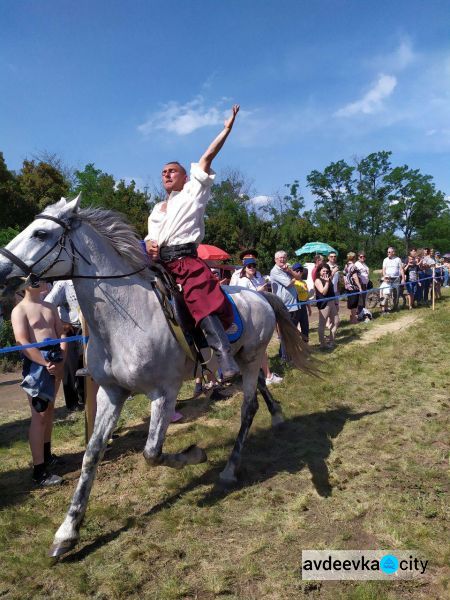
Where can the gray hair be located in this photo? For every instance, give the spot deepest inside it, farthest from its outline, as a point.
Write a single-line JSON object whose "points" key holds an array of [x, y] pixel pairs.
{"points": [[280, 253]]}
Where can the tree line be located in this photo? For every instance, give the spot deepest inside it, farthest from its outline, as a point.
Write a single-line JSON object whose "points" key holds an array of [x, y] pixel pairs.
{"points": [[366, 205]]}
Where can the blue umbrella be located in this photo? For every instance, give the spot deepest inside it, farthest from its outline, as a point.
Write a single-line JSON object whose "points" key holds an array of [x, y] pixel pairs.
{"points": [[317, 247]]}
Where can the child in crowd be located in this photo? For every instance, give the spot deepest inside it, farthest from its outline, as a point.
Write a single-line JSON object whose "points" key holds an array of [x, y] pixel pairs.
{"points": [[303, 295], [35, 320]]}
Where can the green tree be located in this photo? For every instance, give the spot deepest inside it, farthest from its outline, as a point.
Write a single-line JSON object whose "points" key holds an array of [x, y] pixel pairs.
{"points": [[227, 223], [334, 202], [371, 207], [15, 212], [41, 184], [414, 201], [99, 189]]}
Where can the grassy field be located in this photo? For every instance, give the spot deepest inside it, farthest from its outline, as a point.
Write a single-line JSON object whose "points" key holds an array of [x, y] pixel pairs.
{"points": [[361, 463]]}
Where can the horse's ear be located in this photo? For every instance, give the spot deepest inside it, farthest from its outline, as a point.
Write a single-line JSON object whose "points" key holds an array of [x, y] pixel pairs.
{"points": [[73, 205]]}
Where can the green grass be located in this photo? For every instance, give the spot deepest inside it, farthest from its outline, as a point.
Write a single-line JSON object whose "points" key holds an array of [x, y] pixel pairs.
{"points": [[361, 463]]}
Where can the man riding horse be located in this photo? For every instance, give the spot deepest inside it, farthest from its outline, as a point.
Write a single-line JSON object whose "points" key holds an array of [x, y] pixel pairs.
{"points": [[175, 228]]}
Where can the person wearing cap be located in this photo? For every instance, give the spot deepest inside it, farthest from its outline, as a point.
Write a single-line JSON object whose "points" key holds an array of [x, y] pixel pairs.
{"points": [[175, 228], [303, 295], [248, 280], [244, 255]]}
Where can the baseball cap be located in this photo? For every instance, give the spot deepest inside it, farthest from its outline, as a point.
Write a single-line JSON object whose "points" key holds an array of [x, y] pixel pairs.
{"points": [[296, 266], [249, 261]]}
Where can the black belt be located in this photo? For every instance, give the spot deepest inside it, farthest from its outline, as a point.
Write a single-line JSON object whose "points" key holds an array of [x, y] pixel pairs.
{"points": [[168, 253]]}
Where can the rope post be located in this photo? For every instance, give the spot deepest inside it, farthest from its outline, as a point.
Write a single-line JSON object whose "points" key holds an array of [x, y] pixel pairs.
{"points": [[433, 294], [90, 393]]}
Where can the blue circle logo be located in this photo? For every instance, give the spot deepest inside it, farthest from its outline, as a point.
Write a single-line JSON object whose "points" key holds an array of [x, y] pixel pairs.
{"points": [[389, 564]]}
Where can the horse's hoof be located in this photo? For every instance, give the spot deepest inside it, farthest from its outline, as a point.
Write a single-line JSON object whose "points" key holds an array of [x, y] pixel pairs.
{"points": [[227, 479], [277, 420], [194, 455], [59, 549]]}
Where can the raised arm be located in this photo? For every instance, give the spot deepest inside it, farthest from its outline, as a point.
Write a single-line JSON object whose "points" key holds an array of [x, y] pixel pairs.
{"points": [[218, 142]]}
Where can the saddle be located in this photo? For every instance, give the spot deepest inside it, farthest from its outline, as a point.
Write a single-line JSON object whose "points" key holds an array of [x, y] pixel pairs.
{"points": [[180, 320]]}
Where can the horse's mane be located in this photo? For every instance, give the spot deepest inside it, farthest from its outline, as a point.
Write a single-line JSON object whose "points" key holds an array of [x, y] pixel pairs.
{"points": [[119, 233], [113, 226]]}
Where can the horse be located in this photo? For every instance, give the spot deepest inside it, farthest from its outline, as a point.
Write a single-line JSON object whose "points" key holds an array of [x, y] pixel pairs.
{"points": [[131, 348]]}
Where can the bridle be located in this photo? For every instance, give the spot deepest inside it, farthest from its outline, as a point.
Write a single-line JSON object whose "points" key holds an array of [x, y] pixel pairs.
{"points": [[29, 270]]}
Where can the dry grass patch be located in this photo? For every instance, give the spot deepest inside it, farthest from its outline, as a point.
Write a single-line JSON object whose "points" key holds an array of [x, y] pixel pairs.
{"points": [[359, 463]]}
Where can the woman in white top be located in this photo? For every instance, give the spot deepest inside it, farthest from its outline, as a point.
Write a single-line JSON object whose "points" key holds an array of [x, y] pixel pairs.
{"points": [[363, 272], [248, 280]]}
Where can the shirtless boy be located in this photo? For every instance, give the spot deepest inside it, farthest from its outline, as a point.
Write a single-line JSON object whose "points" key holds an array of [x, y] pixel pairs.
{"points": [[34, 320]]}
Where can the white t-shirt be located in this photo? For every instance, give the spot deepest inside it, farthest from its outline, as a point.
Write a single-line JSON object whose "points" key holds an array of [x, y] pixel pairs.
{"points": [[392, 266], [183, 220], [363, 271], [237, 276], [250, 284]]}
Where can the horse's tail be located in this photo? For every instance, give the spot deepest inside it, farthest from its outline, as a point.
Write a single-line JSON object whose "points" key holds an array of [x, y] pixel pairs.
{"points": [[296, 349]]}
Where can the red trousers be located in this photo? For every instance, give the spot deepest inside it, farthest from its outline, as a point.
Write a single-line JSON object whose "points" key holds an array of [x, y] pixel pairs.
{"points": [[201, 289]]}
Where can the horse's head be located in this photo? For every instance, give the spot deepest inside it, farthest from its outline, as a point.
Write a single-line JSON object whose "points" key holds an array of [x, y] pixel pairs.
{"points": [[40, 251]]}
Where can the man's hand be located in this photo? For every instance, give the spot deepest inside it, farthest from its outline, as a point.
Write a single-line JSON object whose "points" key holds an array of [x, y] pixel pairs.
{"points": [[215, 146], [152, 249], [229, 122], [56, 369]]}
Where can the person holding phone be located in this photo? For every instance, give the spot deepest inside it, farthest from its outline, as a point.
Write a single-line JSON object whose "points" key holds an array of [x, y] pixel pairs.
{"points": [[323, 286]]}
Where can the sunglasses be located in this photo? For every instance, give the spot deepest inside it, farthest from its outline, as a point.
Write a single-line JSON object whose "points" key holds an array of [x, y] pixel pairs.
{"points": [[251, 266], [362, 256]]}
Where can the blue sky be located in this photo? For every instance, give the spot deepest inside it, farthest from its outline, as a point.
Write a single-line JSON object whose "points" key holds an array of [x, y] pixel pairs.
{"points": [[131, 84]]}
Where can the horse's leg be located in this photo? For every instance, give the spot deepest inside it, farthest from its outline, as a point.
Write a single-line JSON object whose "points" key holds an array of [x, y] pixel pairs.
{"points": [[248, 410], [273, 406], [162, 409], [109, 405]]}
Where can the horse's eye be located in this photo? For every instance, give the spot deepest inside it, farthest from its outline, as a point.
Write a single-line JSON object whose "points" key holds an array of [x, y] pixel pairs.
{"points": [[40, 234]]}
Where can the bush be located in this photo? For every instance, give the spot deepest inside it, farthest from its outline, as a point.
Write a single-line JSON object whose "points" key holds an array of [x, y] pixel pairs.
{"points": [[10, 361]]}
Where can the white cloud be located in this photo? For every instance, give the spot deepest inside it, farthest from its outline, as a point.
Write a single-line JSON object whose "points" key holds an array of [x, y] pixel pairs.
{"points": [[402, 57], [259, 201], [371, 101], [183, 119]]}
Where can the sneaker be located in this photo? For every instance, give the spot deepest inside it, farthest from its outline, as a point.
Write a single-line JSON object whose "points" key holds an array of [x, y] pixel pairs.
{"points": [[83, 372], [53, 461], [48, 480], [273, 379], [176, 417]]}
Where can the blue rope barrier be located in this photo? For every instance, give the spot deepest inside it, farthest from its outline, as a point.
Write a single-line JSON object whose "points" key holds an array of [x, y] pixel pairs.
{"points": [[347, 294], [52, 342]]}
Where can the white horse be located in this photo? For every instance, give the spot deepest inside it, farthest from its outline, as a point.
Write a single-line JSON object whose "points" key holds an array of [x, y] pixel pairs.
{"points": [[131, 348]]}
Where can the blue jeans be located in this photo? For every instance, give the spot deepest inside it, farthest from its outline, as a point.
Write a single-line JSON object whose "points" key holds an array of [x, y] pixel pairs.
{"points": [[445, 276]]}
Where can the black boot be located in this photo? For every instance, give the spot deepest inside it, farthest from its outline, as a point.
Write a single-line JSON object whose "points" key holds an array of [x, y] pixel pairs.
{"points": [[218, 341]]}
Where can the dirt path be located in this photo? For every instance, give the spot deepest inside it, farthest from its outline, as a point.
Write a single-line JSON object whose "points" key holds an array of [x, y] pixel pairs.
{"points": [[12, 397], [378, 331]]}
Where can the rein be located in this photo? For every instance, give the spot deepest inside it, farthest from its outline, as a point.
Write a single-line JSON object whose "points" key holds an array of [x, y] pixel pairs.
{"points": [[33, 278]]}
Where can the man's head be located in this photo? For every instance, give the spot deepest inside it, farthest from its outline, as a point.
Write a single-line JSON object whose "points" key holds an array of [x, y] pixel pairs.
{"points": [[174, 177], [391, 252], [280, 258], [413, 252], [332, 257], [318, 259], [248, 253]]}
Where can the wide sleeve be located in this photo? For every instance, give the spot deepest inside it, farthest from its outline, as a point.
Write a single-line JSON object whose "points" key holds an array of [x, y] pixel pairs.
{"points": [[57, 295]]}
